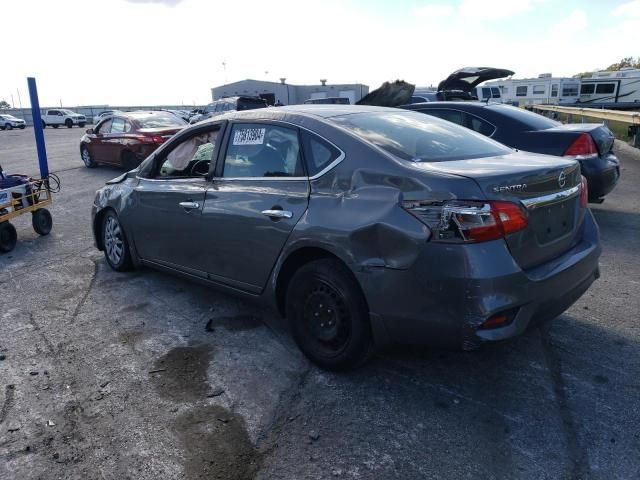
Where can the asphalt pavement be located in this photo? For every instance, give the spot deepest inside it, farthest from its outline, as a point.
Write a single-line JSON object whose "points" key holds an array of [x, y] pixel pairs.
{"points": [[145, 376]]}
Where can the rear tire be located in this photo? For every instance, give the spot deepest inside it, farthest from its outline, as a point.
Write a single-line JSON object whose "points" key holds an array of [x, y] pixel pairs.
{"points": [[115, 244], [87, 158], [42, 221], [8, 237], [329, 315]]}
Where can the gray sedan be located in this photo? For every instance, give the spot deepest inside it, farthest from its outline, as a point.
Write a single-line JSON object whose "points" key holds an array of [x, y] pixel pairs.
{"points": [[362, 225]]}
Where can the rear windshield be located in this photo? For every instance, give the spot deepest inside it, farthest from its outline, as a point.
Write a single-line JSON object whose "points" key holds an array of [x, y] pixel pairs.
{"points": [[532, 120], [158, 120], [419, 137]]}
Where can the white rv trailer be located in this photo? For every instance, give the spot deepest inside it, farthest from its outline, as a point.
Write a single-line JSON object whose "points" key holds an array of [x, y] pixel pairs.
{"points": [[618, 89], [544, 89]]}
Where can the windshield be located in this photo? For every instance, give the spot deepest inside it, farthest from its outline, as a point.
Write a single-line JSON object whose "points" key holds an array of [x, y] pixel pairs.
{"points": [[419, 137], [8, 117], [68, 112], [158, 120], [532, 120]]}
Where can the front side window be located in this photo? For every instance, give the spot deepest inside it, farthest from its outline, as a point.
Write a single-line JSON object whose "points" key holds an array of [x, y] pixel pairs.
{"points": [[104, 127], [420, 138], [190, 158], [262, 150], [521, 91], [605, 88]]}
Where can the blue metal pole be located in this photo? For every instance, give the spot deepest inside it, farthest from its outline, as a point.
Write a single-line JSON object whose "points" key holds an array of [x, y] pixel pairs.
{"points": [[37, 128]]}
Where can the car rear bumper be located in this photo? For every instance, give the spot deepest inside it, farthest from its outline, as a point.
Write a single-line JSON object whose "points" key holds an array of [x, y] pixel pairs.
{"points": [[451, 290], [602, 175]]}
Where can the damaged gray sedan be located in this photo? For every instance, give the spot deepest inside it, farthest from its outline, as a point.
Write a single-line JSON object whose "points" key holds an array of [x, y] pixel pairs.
{"points": [[361, 225]]}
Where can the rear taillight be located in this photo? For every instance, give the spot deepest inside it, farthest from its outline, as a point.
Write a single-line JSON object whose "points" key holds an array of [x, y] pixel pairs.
{"points": [[468, 221], [584, 192], [582, 147], [157, 139]]}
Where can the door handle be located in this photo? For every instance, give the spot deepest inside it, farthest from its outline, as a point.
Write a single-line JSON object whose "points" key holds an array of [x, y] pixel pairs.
{"points": [[189, 205], [277, 213]]}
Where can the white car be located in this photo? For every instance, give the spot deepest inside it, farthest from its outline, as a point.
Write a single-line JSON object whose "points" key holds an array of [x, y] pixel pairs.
{"points": [[61, 116], [9, 122]]}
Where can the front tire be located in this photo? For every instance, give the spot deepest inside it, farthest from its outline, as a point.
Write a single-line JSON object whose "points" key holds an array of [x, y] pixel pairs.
{"points": [[8, 126], [329, 315], [41, 221], [44, 125], [87, 158], [8, 237], [114, 241], [68, 123]]}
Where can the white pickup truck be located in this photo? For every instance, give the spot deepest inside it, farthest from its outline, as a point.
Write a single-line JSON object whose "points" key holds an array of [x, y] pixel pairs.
{"points": [[61, 116]]}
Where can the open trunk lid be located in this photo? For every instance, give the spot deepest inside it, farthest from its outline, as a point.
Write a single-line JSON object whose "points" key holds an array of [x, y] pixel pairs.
{"points": [[466, 79], [547, 187], [389, 94]]}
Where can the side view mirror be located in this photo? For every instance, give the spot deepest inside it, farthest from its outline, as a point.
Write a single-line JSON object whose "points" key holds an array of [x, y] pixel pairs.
{"points": [[90, 131]]}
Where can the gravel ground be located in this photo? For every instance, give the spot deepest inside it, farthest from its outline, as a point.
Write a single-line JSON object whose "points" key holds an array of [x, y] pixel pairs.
{"points": [[145, 376]]}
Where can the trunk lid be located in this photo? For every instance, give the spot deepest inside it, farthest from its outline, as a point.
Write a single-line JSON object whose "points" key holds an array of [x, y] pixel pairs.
{"points": [[466, 79], [164, 132], [601, 134], [547, 187], [389, 94]]}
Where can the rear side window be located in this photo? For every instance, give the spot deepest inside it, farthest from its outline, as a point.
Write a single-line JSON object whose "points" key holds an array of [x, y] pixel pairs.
{"points": [[117, 125], [262, 150], [318, 153], [531, 120], [480, 126], [420, 138], [454, 116]]}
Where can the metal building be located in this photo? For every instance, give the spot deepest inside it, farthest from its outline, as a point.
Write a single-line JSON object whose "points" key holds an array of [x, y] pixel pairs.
{"points": [[288, 94]]}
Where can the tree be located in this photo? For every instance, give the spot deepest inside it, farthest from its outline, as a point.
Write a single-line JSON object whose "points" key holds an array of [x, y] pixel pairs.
{"points": [[625, 62], [4, 104]]}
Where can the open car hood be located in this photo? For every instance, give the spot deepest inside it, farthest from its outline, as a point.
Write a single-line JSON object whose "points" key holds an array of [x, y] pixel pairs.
{"points": [[389, 94], [468, 78]]}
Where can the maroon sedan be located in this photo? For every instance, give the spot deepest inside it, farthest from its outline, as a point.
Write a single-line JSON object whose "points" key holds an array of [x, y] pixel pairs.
{"points": [[127, 138]]}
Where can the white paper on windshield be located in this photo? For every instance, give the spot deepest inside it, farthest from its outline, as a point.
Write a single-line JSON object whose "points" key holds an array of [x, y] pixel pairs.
{"points": [[249, 136]]}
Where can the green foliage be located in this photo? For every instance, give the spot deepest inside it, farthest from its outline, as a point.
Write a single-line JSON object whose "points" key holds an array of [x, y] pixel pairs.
{"points": [[4, 104], [625, 62]]}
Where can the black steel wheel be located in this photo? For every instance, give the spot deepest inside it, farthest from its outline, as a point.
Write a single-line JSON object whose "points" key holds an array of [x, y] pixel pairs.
{"points": [[114, 242], [8, 237], [42, 221], [329, 315]]}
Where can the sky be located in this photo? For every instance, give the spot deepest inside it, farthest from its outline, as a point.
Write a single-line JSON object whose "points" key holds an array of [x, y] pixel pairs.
{"points": [[152, 52]]}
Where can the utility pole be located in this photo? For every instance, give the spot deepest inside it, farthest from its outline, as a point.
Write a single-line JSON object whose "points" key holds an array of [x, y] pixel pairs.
{"points": [[19, 100], [13, 105]]}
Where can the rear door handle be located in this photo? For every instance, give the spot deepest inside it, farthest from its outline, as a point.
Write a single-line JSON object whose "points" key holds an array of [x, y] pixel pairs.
{"points": [[277, 213], [189, 205]]}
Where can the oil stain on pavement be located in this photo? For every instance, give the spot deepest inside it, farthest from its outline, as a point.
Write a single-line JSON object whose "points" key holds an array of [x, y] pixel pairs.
{"points": [[181, 374]]}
